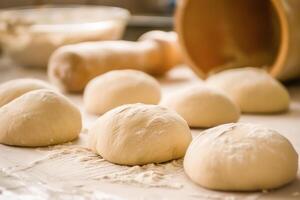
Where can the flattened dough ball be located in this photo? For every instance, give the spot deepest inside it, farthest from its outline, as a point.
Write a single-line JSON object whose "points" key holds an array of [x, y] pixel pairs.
{"points": [[39, 118], [202, 106], [15, 88], [119, 87], [253, 89], [137, 134], [241, 157]]}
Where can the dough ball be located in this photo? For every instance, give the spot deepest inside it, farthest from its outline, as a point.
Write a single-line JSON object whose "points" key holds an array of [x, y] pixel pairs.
{"points": [[241, 157], [137, 134], [202, 106], [253, 89], [119, 87], [39, 118], [15, 88]]}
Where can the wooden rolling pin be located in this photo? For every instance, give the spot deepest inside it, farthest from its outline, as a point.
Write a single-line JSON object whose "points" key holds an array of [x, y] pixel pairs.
{"points": [[72, 66]]}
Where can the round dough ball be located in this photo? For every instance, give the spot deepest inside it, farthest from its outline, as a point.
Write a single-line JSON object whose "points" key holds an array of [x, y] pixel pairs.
{"points": [[253, 89], [137, 134], [39, 118], [15, 88], [241, 157], [202, 106], [119, 87]]}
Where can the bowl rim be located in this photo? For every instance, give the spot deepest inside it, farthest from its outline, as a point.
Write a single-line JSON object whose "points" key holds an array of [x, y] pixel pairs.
{"points": [[122, 13]]}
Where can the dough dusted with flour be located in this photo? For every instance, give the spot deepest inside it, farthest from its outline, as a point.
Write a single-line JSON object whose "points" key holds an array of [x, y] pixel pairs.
{"points": [[39, 118], [241, 157], [137, 134], [202, 106], [15, 88], [253, 89], [120, 87]]}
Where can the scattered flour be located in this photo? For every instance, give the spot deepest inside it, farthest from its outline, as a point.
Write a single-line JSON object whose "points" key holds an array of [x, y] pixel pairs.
{"points": [[78, 162], [151, 175]]}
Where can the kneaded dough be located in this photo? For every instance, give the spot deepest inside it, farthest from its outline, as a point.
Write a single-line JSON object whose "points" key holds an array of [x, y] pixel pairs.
{"points": [[202, 106], [137, 134], [253, 89], [39, 118], [241, 157], [15, 88], [119, 87]]}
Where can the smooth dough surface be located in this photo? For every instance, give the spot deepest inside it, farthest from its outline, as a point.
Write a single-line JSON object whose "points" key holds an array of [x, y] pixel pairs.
{"points": [[119, 87], [202, 106], [253, 89], [39, 118], [137, 134], [15, 88], [241, 157]]}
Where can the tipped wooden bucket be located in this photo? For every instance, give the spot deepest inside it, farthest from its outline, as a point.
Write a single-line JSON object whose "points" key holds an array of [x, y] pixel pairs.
{"points": [[220, 34]]}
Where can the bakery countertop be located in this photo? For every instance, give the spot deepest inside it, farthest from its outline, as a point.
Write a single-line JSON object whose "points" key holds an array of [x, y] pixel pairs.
{"points": [[71, 171]]}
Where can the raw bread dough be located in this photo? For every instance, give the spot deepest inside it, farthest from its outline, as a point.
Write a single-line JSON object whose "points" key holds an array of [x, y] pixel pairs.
{"points": [[119, 87], [241, 157], [137, 134], [202, 106], [168, 42], [15, 88], [39, 118], [253, 89]]}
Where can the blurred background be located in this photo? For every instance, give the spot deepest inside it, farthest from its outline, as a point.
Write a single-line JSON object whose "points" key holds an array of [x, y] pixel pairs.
{"points": [[215, 35], [146, 14]]}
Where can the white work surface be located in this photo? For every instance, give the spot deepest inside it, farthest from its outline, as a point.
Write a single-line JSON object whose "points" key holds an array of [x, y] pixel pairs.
{"points": [[71, 171]]}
